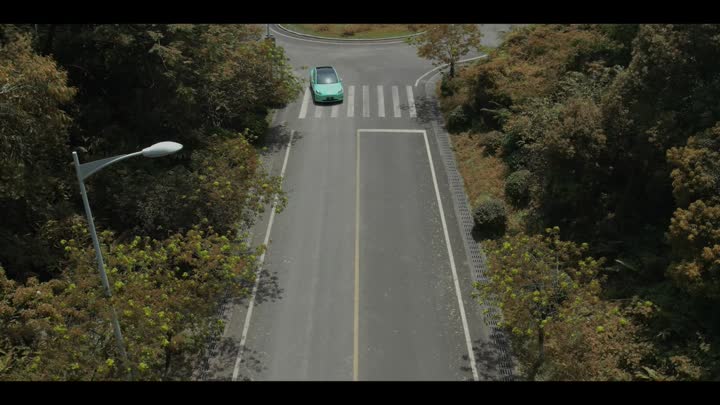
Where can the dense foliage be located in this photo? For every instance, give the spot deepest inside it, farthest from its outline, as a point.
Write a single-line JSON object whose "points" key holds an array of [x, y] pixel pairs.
{"points": [[549, 294], [169, 227], [618, 127]]}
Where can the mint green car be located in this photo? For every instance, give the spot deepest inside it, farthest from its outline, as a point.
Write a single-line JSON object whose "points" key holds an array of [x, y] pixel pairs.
{"points": [[325, 84]]}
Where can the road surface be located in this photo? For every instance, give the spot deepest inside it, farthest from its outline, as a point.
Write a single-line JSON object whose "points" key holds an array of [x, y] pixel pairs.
{"points": [[366, 276]]}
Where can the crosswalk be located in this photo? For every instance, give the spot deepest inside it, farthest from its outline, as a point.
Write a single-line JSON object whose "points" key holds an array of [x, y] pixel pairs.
{"points": [[367, 99]]}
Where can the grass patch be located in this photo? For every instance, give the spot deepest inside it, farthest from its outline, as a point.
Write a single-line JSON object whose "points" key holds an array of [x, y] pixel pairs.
{"points": [[484, 177], [356, 31]]}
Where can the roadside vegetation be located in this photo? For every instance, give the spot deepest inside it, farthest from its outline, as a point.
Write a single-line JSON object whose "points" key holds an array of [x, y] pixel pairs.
{"points": [[356, 31], [171, 229], [598, 147], [446, 43]]}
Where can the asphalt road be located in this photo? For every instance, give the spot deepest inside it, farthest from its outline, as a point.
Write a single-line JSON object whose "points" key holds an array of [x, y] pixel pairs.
{"points": [[366, 276]]}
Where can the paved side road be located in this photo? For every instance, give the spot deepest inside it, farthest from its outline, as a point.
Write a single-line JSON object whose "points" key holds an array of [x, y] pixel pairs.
{"points": [[493, 33]]}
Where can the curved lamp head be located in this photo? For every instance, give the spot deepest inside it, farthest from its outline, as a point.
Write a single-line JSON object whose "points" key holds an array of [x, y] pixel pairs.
{"points": [[161, 149]]}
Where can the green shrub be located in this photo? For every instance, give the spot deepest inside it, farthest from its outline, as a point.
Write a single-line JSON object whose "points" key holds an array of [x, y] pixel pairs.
{"points": [[490, 219], [517, 187], [447, 87], [257, 125], [492, 141], [512, 152], [458, 120]]}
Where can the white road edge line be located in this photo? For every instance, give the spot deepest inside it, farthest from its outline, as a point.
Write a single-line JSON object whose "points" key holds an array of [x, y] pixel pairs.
{"points": [[246, 326], [466, 330], [445, 65]]}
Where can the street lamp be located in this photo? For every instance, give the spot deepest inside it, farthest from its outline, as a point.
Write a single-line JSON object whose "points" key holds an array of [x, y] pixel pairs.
{"points": [[268, 36], [84, 171]]}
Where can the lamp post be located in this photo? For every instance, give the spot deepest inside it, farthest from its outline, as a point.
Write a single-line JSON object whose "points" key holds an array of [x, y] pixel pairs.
{"points": [[84, 171], [268, 36]]}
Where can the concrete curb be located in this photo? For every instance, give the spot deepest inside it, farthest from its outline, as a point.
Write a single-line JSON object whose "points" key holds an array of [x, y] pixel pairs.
{"points": [[441, 67], [349, 40]]}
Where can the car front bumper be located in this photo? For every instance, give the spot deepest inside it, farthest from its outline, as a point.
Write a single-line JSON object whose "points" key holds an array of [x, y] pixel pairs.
{"points": [[326, 98]]}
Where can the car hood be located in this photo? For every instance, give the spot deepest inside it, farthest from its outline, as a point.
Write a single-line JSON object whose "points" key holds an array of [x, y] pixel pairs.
{"points": [[333, 88]]}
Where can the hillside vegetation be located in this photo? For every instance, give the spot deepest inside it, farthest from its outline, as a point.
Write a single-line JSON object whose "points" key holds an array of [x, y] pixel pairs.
{"points": [[172, 229], [601, 142]]}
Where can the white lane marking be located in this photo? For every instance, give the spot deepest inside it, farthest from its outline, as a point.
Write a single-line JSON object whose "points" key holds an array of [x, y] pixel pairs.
{"points": [[468, 341], [306, 100], [466, 330], [396, 101], [261, 261], [351, 101], [411, 101], [366, 101], [334, 112], [381, 101], [318, 110], [331, 43], [445, 65]]}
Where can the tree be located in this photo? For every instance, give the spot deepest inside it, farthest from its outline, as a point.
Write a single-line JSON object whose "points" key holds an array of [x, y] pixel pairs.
{"points": [[694, 231], [35, 179], [166, 293], [194, 81], [618, 125], [561, 140], [224, 184], [446, 43], [529, 63], [549, 295]]}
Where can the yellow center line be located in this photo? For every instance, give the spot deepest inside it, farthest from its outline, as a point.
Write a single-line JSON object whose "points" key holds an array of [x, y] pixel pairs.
{"points": [[357, 259]]}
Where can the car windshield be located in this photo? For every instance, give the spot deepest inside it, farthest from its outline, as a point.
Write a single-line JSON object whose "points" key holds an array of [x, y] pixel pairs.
{"points": [[326, 76]]}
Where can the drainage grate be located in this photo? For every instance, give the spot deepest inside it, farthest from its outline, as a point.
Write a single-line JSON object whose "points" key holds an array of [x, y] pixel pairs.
{"points": [[476, 256]]}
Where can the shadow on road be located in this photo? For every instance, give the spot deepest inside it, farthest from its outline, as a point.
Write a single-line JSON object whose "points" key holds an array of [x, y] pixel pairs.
{"points": [[426, 110], [268, 287], [489, 359], [276, 140], [220, 360], [222, 357]]}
